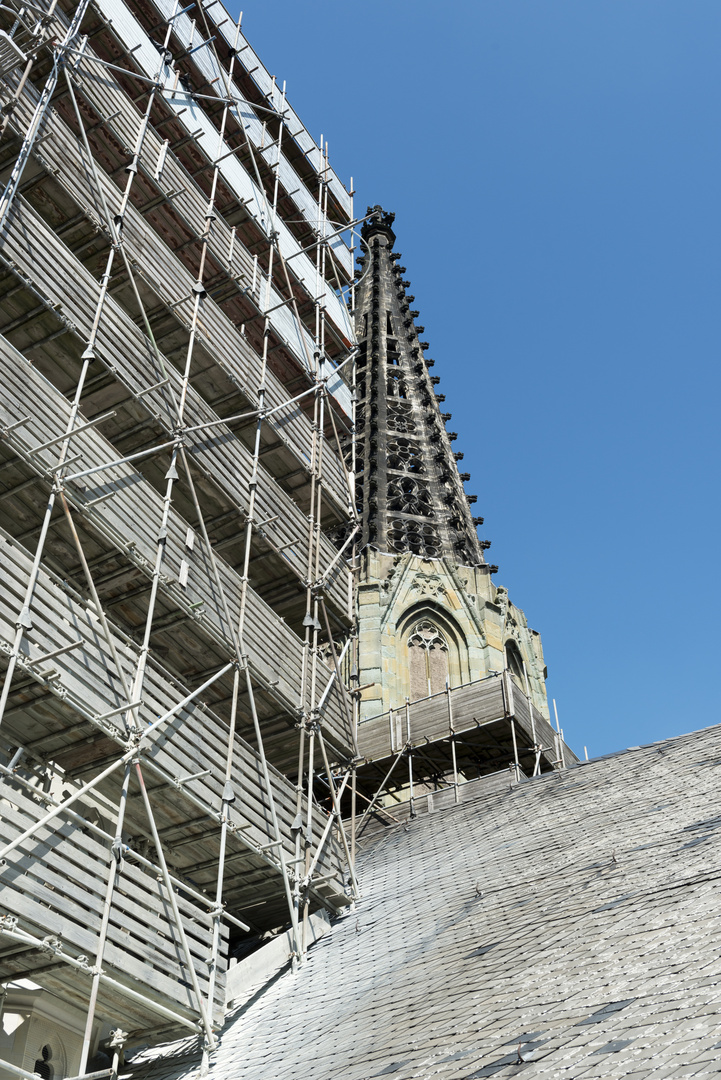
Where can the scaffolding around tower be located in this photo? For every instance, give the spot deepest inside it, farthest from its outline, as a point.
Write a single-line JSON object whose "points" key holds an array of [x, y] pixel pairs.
{"points": [[245, 614], [176, 356]]}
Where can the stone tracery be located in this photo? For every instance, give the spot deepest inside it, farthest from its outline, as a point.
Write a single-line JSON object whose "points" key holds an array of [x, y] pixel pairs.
{"points": [[405, 534], [408, 495], [401, 432], [405, 455], [428, 660]]}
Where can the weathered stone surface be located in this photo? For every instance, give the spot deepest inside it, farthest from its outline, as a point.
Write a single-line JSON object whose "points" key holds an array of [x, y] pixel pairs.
{"points": [[412, 591], [427, 602]]}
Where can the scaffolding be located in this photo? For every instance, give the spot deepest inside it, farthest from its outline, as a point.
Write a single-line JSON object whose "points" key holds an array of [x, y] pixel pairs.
{"points": [[177, 745], [421, 756], [183, 767]]}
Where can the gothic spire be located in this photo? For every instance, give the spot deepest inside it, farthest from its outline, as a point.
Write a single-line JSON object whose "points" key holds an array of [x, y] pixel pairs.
{"points": [[411, 492]]}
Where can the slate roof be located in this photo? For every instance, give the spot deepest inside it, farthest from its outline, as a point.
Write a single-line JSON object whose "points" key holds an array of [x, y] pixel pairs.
{"points": [[566, 927]]}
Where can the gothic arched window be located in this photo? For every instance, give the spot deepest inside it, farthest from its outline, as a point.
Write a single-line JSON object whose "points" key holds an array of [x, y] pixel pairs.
{"points": [[514, 661], [428, 660], [42, 1065]]}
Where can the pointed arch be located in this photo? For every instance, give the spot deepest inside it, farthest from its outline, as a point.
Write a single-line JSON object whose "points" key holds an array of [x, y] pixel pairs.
{"points": [[514, 660], [427, 660], [433, 649]]}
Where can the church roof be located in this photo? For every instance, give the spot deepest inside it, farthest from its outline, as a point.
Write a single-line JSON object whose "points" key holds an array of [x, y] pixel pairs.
{"points": [[566, 926]]}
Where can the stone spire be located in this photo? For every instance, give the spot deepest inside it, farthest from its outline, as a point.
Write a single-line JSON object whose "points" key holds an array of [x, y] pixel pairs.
{"points": [[411, 492]]}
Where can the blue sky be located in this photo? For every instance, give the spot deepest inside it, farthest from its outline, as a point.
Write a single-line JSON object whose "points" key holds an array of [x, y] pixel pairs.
{"points": [[555, 169]]}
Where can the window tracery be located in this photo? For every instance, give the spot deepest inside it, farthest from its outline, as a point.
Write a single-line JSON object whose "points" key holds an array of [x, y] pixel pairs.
{"points": [[396, 385], [428, 659], [399, 417], [404, 534], [407, 495], [405, 456]]}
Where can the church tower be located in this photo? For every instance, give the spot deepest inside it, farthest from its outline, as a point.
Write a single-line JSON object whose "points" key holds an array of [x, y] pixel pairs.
{"points": [[430, 614]]}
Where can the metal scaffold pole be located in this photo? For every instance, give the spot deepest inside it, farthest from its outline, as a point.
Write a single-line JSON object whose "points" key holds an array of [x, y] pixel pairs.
{"points": [[190, 613]]}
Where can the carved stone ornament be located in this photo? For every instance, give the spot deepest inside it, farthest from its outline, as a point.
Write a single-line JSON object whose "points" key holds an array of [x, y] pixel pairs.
{"points": [[501, 599], [410, 497], [428, 585]]}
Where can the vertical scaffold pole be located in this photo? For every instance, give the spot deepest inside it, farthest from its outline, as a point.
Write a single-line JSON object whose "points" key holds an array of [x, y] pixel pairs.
{"points": [[23, 157], [516, 762], [116, 869], [536, 747], [25, 620], [452, 737], [409, 750], [561, 755]]}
